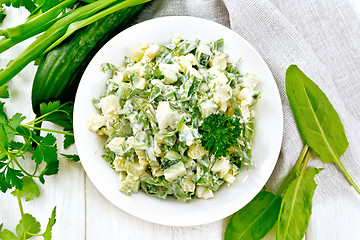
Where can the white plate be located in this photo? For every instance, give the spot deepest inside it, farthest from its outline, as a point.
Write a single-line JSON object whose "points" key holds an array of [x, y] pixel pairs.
{"points": [[268, 125]]}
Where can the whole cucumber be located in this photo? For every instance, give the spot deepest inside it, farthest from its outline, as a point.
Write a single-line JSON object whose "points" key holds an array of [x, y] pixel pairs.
{"points": [[60, 70]]}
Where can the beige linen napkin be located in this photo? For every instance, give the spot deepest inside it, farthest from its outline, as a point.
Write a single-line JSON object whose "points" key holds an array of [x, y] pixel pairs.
{"points": [[322, 37]]}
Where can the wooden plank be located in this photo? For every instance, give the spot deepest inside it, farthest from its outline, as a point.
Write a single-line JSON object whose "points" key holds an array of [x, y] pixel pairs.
{"points": [[336, 218]]}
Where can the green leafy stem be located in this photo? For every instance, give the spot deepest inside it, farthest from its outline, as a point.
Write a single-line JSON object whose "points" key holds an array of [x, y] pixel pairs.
{"points": [[304, 156], [45, 150], [28, 226], [14, 175]]}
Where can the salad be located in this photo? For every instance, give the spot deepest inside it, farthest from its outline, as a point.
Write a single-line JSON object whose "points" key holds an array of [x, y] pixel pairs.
{"points": [[177, 118]]}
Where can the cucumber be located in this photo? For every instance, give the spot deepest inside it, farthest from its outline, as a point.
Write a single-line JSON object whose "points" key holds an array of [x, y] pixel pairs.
{"points": [[60, 70]]}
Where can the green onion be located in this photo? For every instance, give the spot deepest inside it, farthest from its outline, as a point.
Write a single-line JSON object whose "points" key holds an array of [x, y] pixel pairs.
{"points": [[56, 32]]}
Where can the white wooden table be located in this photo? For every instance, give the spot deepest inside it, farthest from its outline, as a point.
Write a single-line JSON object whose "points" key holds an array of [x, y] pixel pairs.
{"points": [[83, 213]]}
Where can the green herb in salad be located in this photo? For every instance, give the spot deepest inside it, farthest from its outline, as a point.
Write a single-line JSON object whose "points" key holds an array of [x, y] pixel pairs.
{"points": [[178, 119], [219, 133]]}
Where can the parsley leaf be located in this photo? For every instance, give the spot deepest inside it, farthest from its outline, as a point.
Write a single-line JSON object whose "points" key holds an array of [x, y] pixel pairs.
{"points": [[30, 189], [58, 114], [8, 235], [15, 145], [49, 107], [68, 141], [2, 14], [46, 150], [16, 120], [10, 132], [27, 224], [219, 133], [3, 141], [50, 169], [4, 184], [52, 220], [13, 177], [73, 157], [10, 125], [3, 116], [28, 4]]}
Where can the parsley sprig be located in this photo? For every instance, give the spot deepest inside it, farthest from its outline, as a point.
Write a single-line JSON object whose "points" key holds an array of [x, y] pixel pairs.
{"points": [[45, 151], [219, 133], [18, 141]]}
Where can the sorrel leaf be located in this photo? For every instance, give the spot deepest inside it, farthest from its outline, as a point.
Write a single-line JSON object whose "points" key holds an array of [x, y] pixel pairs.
{"points": [[318, 122], [256, 219], [296, 207]]}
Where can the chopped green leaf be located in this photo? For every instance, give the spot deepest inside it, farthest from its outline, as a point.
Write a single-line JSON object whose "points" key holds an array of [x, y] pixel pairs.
{"points": [[204, 59], [27, 224], [170, 159], [153, 187], [73, 157], [108, 66], [30, 189], [217, 45], [46, 150], [185, 47], [52, 220], [219, 133]]}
